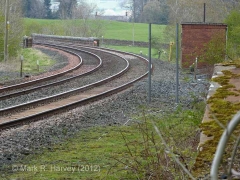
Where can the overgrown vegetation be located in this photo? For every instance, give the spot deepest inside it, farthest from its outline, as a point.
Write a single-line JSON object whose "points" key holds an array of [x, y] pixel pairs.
{"points": [[233, 49], [126, 152], [147, 157], [214, 51], [211, 53]]}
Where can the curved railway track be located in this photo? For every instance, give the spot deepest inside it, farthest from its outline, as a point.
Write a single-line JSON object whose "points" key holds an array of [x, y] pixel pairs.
{"points": [[66, 87], [42, 79], [38, 85], [135, 68]]}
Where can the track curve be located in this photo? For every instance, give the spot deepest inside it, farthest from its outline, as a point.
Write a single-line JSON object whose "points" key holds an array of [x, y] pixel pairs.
{"points": [[97, 90]]}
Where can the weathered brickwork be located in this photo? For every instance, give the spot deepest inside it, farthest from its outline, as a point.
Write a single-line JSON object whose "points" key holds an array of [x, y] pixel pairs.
{"points": [[195, 36]]}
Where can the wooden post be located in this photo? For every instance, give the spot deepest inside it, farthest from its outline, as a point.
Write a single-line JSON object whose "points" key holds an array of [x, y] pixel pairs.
{"points": [[170, 51], [21, 67]]}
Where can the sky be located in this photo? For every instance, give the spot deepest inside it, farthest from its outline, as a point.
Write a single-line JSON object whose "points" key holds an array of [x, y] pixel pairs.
{"points": [[110, 7]]}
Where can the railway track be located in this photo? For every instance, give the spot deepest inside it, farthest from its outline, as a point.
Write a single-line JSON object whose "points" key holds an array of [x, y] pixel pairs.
{"points": [[134, 68], [41, 79], [65, 87], [36, 85]]}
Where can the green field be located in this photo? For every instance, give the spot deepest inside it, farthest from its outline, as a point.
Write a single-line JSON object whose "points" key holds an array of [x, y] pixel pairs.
{"points": [[124, 31], [111, 29]]}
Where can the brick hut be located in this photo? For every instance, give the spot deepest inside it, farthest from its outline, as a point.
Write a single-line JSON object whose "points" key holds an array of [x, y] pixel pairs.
{"points": [[195, 36]]}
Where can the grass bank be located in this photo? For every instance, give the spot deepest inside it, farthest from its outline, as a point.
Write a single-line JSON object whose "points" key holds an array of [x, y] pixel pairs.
{"points": [[10, 70], [121, 152]]}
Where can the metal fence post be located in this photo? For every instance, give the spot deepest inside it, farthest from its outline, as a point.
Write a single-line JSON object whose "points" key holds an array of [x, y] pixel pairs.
{"points": [[177, 66], [149, 66], [195, 68]]}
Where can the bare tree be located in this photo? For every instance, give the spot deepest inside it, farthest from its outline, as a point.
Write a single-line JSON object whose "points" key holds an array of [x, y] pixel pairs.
{"points": [[143, 10], [84, 10], [192, 11], [33, 8], [155, 12], [66, 8], [85, 28], [38, 10], [15, 26]]}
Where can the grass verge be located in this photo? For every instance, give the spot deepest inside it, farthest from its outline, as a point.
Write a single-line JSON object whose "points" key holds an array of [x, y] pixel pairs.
{"points": [[125, 152], [33, 57], [10, 70]]}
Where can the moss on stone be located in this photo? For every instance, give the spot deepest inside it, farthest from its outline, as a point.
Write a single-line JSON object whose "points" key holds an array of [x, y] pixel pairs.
{"points": [[222, 80], [223, 110], [232, 63]]}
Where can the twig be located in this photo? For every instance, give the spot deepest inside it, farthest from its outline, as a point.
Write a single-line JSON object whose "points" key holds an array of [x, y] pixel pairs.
{"points": [[129, 150], [173, 155], [111, 168], [126, 165], [126, 144]]}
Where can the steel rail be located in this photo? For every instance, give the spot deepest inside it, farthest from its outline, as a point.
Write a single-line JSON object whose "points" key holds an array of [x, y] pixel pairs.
{"points": [[69, 106], [28, 83], [64, 94], [64, 108], [14, 94]]}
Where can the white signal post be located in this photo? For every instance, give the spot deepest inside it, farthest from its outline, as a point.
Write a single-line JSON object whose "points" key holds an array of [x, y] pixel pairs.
{"points": [[38, 65]]}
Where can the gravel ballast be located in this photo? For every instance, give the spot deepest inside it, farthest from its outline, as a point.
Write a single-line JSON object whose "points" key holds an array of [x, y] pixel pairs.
{"points": [[111, 65], [115, 110]]}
